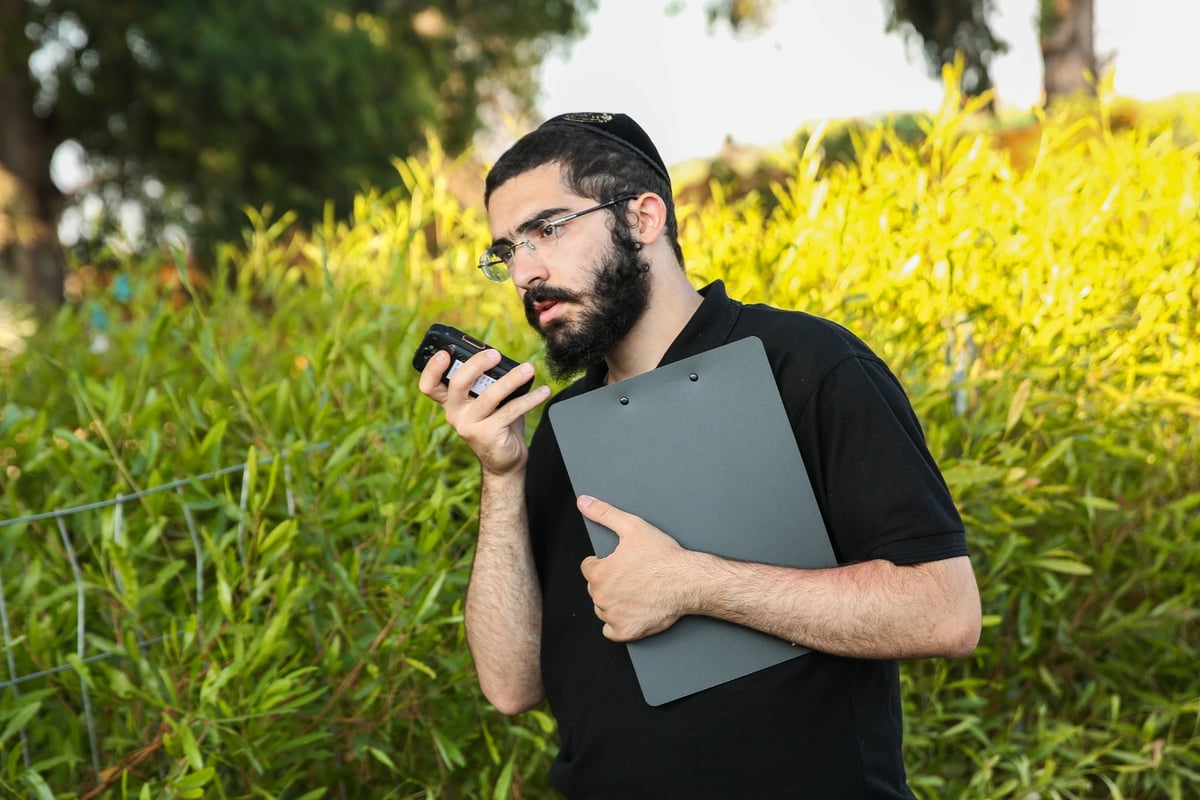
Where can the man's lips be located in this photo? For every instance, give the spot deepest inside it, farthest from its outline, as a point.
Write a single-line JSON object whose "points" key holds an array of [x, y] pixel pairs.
{"points": [[547, 310], [544, 304]]}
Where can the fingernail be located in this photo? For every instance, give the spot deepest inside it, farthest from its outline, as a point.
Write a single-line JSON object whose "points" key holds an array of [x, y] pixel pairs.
{"points": [[585, 500]]}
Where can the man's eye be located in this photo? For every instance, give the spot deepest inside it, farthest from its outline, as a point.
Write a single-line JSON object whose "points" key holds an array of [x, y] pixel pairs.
{"points": [[547, 230]]}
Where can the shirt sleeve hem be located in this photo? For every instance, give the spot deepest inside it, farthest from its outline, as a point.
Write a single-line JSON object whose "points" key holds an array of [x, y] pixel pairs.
{"points": [[933, 547]]}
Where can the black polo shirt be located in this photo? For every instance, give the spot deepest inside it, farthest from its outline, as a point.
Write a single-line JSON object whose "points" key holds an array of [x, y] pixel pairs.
{"points": [[819, 726]]}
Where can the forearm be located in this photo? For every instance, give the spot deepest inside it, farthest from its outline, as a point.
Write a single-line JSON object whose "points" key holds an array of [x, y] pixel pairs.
{"points": [[503, 609], [873, 609]]}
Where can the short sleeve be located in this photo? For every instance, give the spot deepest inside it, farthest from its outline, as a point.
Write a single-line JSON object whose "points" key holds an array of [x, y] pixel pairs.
{"points": [[880, 490]]}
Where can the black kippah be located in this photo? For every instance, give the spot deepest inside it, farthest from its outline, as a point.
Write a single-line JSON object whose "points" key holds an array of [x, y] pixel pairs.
{"points": [[619, 128]]}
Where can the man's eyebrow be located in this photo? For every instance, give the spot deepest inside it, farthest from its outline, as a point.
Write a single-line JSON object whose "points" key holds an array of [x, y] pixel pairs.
{"points": [[528, 225], [544, 214]]}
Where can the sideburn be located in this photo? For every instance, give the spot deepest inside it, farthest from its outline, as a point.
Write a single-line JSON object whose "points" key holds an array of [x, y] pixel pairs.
{"points": [[617, 298]]}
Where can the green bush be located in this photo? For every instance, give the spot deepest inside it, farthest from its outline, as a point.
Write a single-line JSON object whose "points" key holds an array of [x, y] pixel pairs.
{"points": [[1043, 319], [322, 651]]}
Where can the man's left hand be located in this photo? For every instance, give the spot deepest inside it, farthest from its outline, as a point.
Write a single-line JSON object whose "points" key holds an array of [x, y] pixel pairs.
{"points": [[640, 588]]}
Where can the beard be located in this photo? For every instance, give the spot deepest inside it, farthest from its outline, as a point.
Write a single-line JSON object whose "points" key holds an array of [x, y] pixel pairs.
{"points": [[606, 310]]}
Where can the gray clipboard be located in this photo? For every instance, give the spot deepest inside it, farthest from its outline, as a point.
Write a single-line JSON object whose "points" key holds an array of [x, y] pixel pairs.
{"points": [[702, 449]]}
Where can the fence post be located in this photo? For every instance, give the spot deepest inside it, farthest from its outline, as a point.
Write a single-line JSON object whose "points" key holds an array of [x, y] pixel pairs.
{"points": [[12, 668], [199, 551], [80, 638], [242, 506]]}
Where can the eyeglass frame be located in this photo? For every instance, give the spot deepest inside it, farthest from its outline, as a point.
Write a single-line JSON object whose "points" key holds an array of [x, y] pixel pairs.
{"points": [[491, 256]]}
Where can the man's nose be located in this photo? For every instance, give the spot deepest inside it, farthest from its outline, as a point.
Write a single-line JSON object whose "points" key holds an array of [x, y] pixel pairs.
{"points": [[528, 268]]}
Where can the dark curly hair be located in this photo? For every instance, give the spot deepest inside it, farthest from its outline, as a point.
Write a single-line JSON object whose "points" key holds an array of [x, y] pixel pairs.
{"points": [[592, 166]]}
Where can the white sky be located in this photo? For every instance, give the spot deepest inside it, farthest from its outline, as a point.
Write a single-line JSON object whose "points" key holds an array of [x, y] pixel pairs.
{"points": [[823, 59]]}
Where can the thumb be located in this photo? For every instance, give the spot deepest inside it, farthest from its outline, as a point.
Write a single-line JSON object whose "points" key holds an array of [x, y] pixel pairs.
{"points": [[605, 514]]}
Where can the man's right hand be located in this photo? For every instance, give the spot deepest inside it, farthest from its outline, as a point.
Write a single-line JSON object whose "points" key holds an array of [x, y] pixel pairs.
{"points": [[496, 433], [503, 611]]}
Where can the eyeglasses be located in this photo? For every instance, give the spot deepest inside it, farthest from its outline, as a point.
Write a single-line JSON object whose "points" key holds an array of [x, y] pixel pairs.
{"points": [[497, 259]]}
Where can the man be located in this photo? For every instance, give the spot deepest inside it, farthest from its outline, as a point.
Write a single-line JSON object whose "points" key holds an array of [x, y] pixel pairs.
{"points": [[583, 222]]}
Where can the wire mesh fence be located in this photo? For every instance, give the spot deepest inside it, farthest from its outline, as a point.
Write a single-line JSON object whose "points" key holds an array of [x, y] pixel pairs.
{"points": [[114, 558]]}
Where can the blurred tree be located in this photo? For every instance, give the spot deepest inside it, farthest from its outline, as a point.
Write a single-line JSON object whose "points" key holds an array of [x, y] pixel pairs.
{"points": [[946, 28], [198, 109], [1066, 30]]}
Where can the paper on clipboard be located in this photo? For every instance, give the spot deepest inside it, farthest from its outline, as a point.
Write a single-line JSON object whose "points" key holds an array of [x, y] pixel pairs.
{"points": [[702, 449]]}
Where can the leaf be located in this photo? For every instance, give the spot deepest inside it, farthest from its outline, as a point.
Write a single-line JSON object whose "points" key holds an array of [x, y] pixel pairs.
{"points": [[213, 437], [1093, 502], [420, 666], [187, 742], [278, 535], [964, 474], [38, 784], [1017, 407], [251, 472], [195, 780], [344, 449], [544, 720], [490, 742], [225, 597], [382, 758], [427, 604], [503, 788], [83, 444], [1185, 504], [277, 705], [1064, 566], [19, 720], [449, 751]]}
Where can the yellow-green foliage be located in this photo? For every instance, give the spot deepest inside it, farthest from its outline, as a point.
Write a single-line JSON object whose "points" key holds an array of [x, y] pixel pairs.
{"points": [[1042, 315], [1045, 321]]}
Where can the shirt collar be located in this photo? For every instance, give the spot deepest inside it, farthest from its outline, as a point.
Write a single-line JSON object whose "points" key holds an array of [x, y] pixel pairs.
{"points": [[708, 328]]}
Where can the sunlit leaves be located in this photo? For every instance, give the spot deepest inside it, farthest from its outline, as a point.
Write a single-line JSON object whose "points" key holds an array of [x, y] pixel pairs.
{"points": [[1042, 315]]}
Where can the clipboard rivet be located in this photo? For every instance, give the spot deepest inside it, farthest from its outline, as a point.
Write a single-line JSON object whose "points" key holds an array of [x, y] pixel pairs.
{"points": [[624, 401], [694, 377]]}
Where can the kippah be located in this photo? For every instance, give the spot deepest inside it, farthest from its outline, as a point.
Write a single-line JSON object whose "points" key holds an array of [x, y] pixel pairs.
{"points": [[619, 128]]}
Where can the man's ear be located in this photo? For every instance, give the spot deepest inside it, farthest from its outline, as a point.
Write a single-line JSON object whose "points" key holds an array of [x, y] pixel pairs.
{"points": [[651, 217]]}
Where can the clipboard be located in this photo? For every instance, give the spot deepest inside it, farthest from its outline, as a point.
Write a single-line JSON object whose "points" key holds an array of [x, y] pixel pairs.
{"points": [[702, 449]]}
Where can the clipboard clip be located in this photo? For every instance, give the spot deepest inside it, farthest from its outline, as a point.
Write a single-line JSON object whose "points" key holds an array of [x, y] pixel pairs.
{"points": [[693, 377]]}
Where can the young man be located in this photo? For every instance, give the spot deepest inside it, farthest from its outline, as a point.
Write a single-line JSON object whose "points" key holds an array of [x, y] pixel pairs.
{"points": [[583, 222]]}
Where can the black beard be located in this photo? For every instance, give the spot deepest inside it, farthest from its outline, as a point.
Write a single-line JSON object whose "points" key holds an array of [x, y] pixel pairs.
{"points": [[606, 311]]}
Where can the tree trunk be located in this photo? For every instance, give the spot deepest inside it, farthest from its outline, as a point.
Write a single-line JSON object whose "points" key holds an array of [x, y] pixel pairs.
{"points": [[1068, 40], [30, 252]]}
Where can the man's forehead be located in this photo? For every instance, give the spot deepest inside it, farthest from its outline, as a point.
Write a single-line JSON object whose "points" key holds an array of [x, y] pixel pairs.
{"points": [[514, 201]]}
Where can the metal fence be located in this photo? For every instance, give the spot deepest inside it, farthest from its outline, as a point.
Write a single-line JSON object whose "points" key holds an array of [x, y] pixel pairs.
{"points": [[63, 518]]}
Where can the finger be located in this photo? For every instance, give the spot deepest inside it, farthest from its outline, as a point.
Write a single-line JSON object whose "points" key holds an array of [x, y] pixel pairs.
{"points": [[527, 402], [493, 396], [430, 382], [518, 406], [469, 372], [606, 514], [508, 384]]}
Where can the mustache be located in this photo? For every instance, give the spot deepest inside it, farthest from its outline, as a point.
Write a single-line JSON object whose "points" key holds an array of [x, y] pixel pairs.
{"points": [[549, 294]]}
